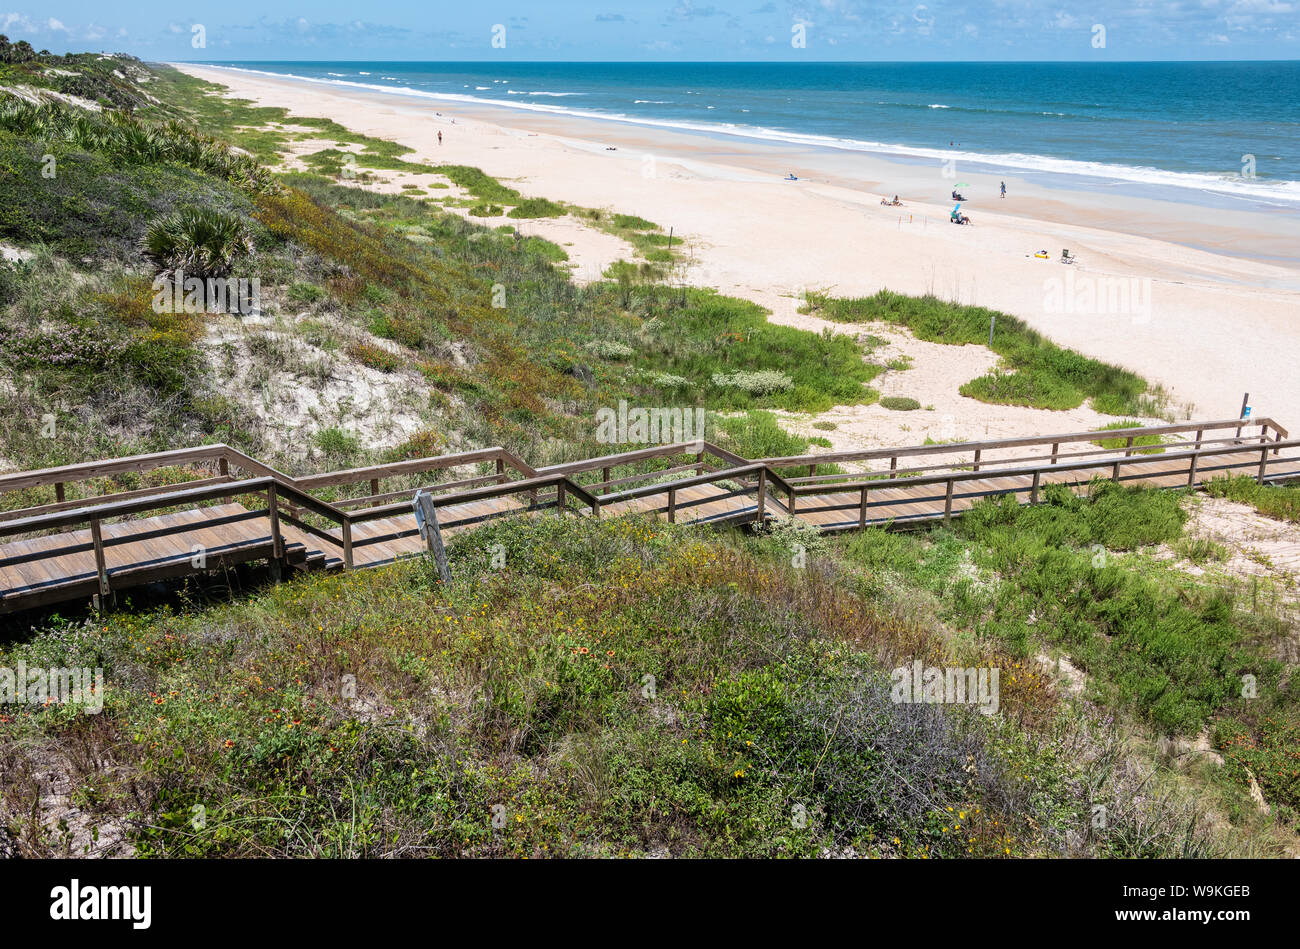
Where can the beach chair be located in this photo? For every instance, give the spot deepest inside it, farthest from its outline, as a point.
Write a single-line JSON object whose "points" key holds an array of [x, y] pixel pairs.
{"points": [[1066, 257]]}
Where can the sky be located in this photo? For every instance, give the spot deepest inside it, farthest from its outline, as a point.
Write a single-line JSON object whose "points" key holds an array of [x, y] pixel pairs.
{"points": [[664, 30]]}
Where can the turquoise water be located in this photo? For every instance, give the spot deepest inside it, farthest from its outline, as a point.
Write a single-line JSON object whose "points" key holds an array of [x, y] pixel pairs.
{"points": [[1228, 131]]}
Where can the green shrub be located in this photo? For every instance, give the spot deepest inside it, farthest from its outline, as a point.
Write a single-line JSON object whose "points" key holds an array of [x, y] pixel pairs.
{"points": [[900, 403], [608, 349], [633, 223], [336, 443], [537, 207], [202, 242], [762, 382]]}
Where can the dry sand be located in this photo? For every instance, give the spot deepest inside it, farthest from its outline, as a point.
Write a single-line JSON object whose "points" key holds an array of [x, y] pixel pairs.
{"points": [[1205, 325]]}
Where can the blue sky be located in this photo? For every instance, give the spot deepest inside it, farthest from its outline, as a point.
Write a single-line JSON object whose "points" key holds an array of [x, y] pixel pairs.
{"points": [[667, 29]]}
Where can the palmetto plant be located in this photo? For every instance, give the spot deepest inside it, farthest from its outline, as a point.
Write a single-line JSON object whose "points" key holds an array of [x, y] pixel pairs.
{"points": [[202, 242], [131, 141]]}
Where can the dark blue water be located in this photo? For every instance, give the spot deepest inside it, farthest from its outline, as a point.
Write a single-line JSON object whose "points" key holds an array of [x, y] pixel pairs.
{"points": [[1225, 128]]}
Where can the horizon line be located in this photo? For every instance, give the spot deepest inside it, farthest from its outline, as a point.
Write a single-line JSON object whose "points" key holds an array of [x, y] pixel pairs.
{"points": [[733, 62]]}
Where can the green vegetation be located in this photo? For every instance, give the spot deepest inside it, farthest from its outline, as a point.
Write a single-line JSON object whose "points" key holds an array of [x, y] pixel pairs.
{"points": [[1036, 372], [202, 242], [900, 403], [1140, 441], [1278, 501], [481, 186], [537, 207], [565, 693]]}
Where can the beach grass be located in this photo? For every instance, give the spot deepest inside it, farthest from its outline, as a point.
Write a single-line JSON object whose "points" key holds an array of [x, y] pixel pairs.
{"points": [[1035, 372]]}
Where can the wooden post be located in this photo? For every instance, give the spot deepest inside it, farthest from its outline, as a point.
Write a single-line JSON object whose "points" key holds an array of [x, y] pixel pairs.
{"points": [[1278, 439], [977, 459], [1033, 493], [893, 464], [672, 505], [273, 514], [604, 476], [862, 510], [812, 471], [1191, 470], [428, 521], [347, 544], [1245, 404], [1114, 474], [1200, 434], [58, 491], [699, 462], [792, 500], [1263, 462], [101, 565], [1056, 448], [762, 493], [223, 467], [560, 500], [947, 504], [374, 486], [501, 472], [1128, 447]]}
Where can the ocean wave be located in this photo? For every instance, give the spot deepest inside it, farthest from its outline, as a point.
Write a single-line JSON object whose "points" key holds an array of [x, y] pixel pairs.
{"points": [[556, 95], [1284, 191], [653, 101]]}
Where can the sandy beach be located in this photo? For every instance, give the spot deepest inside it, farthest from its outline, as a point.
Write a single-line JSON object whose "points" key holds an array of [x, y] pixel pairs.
{"points": [[1202, 302]]}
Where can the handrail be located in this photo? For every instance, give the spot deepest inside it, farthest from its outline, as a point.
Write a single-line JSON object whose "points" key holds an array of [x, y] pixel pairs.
{"points": [[100, 512], [1260, 447], [953, 448], [486, 493]]}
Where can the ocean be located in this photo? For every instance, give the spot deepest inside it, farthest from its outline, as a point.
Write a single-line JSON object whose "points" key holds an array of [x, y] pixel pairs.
{"points": [[1228, 131]]}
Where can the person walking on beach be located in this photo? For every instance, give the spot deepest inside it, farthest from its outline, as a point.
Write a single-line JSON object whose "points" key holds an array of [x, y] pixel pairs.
{"points": [[1004, 189]]}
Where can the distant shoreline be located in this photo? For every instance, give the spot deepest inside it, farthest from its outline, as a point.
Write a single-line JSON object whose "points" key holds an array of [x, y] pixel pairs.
{"points": [[1200, 188]]}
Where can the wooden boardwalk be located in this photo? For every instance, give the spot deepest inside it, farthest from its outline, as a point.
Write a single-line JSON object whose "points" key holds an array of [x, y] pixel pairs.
{"points": [[94, 546]]}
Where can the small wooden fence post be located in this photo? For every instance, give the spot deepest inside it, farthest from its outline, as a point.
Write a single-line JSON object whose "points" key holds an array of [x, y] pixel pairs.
{"points": [[101, 565], [277, 541], [762, 494], [426, 516]]}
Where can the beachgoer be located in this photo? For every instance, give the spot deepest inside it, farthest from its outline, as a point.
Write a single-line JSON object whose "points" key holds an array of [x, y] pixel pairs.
{"points": [[439, 138], [1004, 189]]}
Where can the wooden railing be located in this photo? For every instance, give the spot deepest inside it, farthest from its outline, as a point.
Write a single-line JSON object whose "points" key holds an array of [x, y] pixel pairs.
{"points": [[1118, 469], [979, 451]]}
